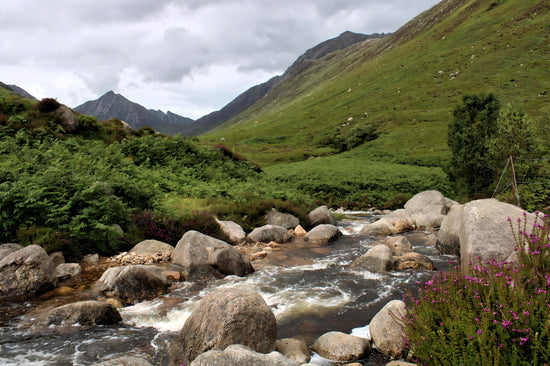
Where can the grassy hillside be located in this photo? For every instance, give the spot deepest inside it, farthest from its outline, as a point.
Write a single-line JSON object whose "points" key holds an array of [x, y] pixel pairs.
{"points": [[406, 85]]}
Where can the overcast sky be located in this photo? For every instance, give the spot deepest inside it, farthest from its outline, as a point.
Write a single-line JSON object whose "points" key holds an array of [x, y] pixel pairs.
{"points": [[187, 56]]}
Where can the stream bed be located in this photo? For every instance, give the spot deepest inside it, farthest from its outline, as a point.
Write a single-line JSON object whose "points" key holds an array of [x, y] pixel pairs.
{"points": [[311, 291]]}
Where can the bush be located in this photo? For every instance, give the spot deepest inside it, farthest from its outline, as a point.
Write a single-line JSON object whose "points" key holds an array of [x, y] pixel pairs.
{"points": [[499, 314], [47, 105]]}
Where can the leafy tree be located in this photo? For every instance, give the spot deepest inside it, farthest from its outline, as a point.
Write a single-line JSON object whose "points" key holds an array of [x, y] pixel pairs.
{"points": [[473, 126]]}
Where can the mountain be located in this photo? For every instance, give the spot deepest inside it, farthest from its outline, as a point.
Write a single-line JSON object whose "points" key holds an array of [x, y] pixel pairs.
{"points": [[255, 93], [18, 90], [112, 105], [405, 85]]}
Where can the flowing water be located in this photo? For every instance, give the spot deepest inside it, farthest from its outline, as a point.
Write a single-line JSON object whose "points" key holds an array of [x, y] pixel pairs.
{"points": [[311, 291]]}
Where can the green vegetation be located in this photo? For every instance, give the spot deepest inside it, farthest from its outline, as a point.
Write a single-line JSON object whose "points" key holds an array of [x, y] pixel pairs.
{"points": [[504, 316]]}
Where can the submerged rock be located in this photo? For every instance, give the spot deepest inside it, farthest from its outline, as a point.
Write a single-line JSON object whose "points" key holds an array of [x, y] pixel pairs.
{"points": [[294, 349], [378, 259], [133, 283], [84, 313]]}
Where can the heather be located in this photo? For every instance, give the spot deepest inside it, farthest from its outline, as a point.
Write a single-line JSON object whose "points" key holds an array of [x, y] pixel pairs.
{"points": [[497, 314]]}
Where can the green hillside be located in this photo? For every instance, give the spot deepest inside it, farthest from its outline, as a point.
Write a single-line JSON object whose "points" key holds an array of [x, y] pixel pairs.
{"points": [[406, 85]]}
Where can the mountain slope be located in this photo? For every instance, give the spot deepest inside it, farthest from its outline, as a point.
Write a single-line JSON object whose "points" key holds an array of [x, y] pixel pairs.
{"points": [[112, 105], [255, 93], [405, 84], [18, 90]]}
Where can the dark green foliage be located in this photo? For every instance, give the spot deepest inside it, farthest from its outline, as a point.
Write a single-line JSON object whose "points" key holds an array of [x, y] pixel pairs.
{"points": [[361, 134], [47, 105], [473, 126]]}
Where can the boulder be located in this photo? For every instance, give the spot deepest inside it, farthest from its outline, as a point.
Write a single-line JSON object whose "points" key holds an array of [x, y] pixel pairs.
{"points": [[322, 234], [380, 227], [321, 215], [400, 221], [413, 260], [90, 260], [386, 329], [399, 245], [428, 208], [150, 247], [238, 354], [233, 231], [339, 346], [84, 313], [448, 238], [9, 248], [133, 283], [285, 220], [124, 361], [300, 231], [269, 233], [66, 118], [65, 271], [224, 317], [378, 259], [26, 272], [294, 349], [485, 233], [205, 258]]}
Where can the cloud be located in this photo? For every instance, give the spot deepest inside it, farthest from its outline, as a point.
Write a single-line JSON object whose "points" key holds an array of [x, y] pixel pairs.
{"points": [[196, 54]]}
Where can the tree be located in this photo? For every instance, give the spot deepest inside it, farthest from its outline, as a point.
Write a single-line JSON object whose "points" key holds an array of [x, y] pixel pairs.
{"points": [[473, 126]]}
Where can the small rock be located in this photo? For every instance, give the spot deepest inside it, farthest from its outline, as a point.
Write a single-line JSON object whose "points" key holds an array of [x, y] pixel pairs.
{"points": [[294, 349], [339, 346], [299, 231]]}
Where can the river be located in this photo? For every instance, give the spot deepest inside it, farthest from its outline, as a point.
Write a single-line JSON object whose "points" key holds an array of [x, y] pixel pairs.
{"points": [[311, 291]]}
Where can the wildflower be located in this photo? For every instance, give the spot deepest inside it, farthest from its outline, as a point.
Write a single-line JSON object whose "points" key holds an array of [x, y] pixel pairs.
{"points": [[479, 331]]}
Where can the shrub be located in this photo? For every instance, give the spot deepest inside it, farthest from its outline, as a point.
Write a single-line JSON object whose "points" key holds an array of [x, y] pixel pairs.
{"points": [[498, 314], [47, 105]]}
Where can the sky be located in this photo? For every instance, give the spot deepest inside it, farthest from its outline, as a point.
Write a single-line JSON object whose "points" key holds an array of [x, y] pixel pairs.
{"points": [[191, 57]]}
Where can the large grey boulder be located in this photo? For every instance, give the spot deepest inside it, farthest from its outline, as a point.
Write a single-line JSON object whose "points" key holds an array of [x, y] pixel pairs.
{"points": [[322, 234], [237, 354], [224, 317], [485, 233], [26, 272], [285, 220], [133, 283], [294, 349], [386, 329], [84, 313], [9, 248], [233, 231], [448, 238], [203, 257], [321, 215], [269, 233], [66, 118], [151, 246], [427, 209], [339, 346], [378, 259]]}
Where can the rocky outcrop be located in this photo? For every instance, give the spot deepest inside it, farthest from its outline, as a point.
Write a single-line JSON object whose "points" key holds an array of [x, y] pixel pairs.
{"points": [[294, 349], [84, 313], [448, 238], [150, 247], [65, 271], [322, 234], [205, 258], [386, 329], [321, 215], [238, 354], [133, 283], [285, 220], [378, 259], [26, 272], [339, 346], [224, 317], [413, 260], [233, 231], [485, 232], [269, 233], [66, 118]]}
